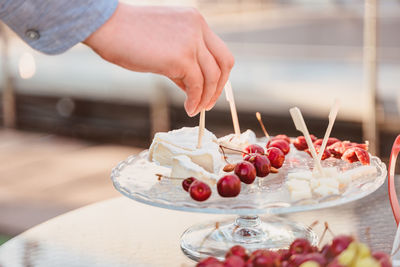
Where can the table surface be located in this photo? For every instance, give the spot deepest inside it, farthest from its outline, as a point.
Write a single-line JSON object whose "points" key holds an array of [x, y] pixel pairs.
{"points": [[122, 232]]}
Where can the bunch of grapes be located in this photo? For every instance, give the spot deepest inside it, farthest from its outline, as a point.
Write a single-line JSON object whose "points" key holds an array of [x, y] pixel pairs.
{"points": [[343, 251]]}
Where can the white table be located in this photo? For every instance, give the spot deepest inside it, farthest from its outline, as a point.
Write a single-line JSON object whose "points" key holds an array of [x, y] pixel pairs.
{"points": [[122, 232]]}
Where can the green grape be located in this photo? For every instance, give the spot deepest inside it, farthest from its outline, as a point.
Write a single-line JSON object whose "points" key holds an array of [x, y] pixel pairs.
{"points": [[310, 264], [367, 262], [363, 251], [348, 255]]}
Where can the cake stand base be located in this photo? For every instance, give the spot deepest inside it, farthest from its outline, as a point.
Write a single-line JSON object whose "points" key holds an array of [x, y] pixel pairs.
{"points": [[252, 232]]}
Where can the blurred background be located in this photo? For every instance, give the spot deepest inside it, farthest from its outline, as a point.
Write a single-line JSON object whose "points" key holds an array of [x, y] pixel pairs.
{"points": [[68, 119]]}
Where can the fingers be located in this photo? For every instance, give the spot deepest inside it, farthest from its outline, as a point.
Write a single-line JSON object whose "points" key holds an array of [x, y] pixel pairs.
{"points": [[222, 56], [179, 83], [193, 82], [211, 74]]}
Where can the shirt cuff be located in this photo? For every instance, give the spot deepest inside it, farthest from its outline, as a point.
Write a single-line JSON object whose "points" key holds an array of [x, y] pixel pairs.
{"points": [[53, 27]]}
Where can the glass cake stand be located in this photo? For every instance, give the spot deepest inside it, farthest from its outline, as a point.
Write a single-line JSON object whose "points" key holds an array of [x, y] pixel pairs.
{"points": [[136, 178]]}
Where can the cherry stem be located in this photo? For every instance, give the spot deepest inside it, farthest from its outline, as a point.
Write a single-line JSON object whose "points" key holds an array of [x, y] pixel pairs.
{"points": [[329, 229], [323, 234], [223, 153], [258, 115], [237, 150], [160, 176], [312, 225], [233, 149]]}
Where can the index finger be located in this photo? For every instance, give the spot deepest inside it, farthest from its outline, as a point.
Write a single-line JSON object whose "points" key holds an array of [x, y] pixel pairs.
{"points": [[222, 56]]}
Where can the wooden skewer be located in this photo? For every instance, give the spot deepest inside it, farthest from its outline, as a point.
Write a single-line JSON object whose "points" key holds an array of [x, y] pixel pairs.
{"points": [[202, 124], [302, 127], [332, 118], [258, 115], [231, 100]]}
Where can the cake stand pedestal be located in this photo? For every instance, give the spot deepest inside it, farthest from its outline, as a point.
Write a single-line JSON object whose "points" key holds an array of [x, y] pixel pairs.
{"points": [[135, 178], [251, 232]]}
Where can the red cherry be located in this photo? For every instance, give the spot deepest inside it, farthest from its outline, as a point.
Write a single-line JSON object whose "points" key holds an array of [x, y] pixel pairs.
{"points": [[199, 191], [382, 258], [207, 262], [300, 246], [234, 261], [340, 243], [229, 186], [331, 141], [261, 162], [246, 172], [187, 182], [279, 137], [281, 144], [275, 156], [238, 251], [325, 155], [254, 149], [300, 142]]}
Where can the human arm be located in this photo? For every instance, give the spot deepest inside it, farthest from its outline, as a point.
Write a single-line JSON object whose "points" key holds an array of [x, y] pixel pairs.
{"points": [[171, 41]]}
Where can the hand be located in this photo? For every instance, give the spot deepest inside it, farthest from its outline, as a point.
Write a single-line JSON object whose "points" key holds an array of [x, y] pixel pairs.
{"points": [[172, 41]]}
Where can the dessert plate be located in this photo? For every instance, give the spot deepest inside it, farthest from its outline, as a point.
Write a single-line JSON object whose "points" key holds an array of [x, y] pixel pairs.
{"points": [[136, 178]]}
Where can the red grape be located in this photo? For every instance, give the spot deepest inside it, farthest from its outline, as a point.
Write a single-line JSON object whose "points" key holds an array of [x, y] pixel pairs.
{"points": [[234, 261], [187, 182], [262, 164], [267, 259], [335, 263], [382, 258], [249, 263], [199, 191], [229, 186], [207, 262], [276, 157], [340, 243], [238, 251], [300, 246], [327, 253], [298, 259], [284, 254], [246, 172]]}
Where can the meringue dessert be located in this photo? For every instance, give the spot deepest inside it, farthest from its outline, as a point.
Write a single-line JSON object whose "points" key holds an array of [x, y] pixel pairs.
{"points": [[239, 143], [167, 145]]}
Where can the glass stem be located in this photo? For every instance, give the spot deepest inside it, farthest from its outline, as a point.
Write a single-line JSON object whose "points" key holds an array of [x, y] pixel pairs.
{"points": [[247, 221], [248, 229]]}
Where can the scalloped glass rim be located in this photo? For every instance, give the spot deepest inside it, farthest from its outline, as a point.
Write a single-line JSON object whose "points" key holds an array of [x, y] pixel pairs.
{"points": [[232, 205]]}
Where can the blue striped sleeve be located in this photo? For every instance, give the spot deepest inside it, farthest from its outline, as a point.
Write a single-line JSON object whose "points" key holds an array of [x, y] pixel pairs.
{"points": [[54, 26]]}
